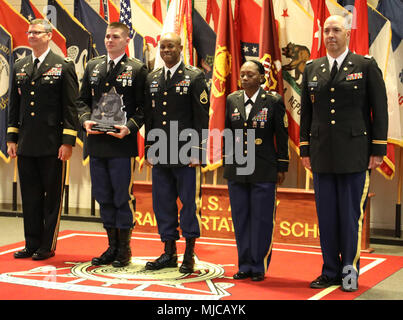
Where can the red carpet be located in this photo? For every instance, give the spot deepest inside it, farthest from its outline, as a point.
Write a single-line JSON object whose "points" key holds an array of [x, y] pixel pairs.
{"points": [[69, 275]]}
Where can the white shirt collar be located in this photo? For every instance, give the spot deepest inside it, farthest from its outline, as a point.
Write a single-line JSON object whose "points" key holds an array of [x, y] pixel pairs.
{"points": [[253, 98], [116, 60], [339, 59], [248, 107], [173, 69], [41, 57]]}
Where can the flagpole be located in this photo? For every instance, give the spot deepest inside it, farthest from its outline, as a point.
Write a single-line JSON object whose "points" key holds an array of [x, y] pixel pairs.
{"points": [[399, 199], [15, 186]]}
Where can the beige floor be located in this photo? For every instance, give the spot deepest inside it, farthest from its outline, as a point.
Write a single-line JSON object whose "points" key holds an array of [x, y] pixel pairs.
{"points": [[11, 231]]}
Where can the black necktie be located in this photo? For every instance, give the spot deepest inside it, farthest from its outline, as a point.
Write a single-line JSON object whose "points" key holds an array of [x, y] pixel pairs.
{"points": [[334, 70], [111, 66], [249, 101], [168, 77], [35, 66]]}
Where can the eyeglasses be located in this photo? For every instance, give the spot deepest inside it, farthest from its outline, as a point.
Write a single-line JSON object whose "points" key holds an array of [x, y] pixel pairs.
{"points": [[35, 33]]}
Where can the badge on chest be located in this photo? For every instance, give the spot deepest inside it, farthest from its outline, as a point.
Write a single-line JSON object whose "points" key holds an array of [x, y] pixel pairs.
{"points": [[125, 78]]}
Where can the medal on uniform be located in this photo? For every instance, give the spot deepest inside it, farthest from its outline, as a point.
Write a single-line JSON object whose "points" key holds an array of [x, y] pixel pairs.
{"points": [[312, 98]]}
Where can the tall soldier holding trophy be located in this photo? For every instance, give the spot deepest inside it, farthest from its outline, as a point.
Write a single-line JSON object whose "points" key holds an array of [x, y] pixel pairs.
{"points": [[110, 108]]}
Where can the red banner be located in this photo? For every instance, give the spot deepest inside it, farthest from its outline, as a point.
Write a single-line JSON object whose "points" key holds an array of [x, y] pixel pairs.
{"points": [[321, 13], [269, 50], [224, 81]]}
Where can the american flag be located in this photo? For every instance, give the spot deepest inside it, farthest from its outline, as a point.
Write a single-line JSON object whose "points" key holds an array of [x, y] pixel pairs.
{"points": [[126, 15], [136, 44]]}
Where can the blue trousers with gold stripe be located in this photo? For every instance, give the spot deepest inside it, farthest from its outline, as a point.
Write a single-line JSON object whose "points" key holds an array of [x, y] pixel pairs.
{"points": [[253, 215], [168, 185], [340, 205], [112, 180]]}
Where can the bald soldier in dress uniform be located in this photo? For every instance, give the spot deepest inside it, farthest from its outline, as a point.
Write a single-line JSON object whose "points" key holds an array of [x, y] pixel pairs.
{"points": [[343, 135], [111, 153], [42, 130], [253, 194], [177, 100]]}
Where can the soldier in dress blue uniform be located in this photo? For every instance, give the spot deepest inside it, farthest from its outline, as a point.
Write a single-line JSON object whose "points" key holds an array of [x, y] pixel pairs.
{"points": [[112, 154], [42, 130], [177, 100], [253, 195], [343, 135]]}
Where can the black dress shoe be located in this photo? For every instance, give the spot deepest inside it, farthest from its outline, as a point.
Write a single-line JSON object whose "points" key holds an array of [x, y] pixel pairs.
{"points": [[257, 276], [324, 281], [42, 255], [24, 253], [241, 275]]}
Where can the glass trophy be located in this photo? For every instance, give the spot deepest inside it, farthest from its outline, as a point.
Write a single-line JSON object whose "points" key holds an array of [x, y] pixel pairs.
{"points": [[108, 112]]}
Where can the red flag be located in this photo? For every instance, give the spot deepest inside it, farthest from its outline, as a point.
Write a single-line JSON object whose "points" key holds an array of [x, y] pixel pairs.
{"points": [[15, 24], [108, 10], [157, 11], [321, 13], [359, 30], [186, 23], [213, 10], [224, 81], [103, 12], [269, 49], [247, 15], [359, 43]]}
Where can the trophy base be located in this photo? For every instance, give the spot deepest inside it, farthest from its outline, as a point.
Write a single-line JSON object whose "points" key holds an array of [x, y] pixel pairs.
{"points": [[104, 128]]}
